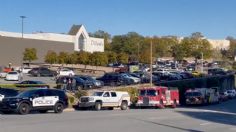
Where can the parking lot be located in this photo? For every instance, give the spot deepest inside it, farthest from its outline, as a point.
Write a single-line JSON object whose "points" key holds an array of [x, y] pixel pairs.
{"points": [[213, 118]]}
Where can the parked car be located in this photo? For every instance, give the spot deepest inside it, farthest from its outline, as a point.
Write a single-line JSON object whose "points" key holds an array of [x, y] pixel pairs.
{"points": [[31, 84], [145, 77], [3, 74], [186, 75], [7, 92], [66, 72], [26, 70], [96, 83], [114, 79], [223, 96], [216, 71], [108, 99], [135, 80], [40, 100], [12, 76], [80, 83], [42, 71], [231, 93]]}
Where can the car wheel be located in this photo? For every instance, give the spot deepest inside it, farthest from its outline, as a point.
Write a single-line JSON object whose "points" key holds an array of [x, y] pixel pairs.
{"points": [[23, 109], [98, 106], [58, 108], [124, 105], [43, 111]]}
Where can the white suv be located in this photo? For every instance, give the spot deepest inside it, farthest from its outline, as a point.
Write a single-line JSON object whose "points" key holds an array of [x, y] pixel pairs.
{"points": [[66, 72], [108, 99]]}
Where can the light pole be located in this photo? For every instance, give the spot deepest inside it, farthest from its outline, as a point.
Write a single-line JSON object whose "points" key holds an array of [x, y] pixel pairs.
{"points": [[202, 61], [151, 64], [22, 25]]}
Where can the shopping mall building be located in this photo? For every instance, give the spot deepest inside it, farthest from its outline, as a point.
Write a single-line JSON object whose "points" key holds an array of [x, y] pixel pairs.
{"points": [[12, 45]]}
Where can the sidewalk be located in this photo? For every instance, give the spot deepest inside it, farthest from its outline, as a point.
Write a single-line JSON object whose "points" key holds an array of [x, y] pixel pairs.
{"points": [[69, 109]]}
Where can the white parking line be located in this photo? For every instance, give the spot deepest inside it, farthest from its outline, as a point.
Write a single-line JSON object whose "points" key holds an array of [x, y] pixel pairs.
{"points": [[205, 124]]}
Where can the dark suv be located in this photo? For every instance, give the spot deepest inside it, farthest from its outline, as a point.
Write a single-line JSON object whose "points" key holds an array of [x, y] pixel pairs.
{"points": [[114, 79], [42, 71], [6, 92], [40, 100]]}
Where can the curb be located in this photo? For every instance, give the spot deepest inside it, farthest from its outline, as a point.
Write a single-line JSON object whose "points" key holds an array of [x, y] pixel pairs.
{"points": [[69, 110]]}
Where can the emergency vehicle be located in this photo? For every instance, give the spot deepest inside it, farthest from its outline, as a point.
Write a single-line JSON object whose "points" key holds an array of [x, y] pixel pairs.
{"points": [[158, 97], [106, 99], [202, 96], [40, 100]]}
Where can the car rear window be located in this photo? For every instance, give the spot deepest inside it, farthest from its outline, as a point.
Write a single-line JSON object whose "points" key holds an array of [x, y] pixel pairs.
{"points": [[12, 73]]}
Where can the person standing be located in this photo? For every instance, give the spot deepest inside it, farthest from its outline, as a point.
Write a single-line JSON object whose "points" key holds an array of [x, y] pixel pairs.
{"points": [[20, 76], [69, 84], [64, 84], [74, 85]]}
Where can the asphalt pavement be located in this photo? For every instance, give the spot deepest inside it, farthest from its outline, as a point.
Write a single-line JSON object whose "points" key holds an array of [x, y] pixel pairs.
{"points": [[215, 118]]}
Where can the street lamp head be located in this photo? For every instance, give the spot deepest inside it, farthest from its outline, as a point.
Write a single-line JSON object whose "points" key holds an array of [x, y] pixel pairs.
{"points": [[22, 17]]}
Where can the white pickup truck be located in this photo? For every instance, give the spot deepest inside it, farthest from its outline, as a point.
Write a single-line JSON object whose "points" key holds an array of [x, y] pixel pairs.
{"points": [[105, 99]]}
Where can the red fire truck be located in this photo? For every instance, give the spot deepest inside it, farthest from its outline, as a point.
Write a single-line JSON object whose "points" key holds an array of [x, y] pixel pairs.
{"points": [[158, 97]]}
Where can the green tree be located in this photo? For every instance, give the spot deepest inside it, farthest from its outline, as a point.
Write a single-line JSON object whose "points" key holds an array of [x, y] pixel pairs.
{"points": [[122, 58], [51, 57], [178, 52], [197, 35], [230, 53], [98, 59], [62, 58], [162, 47], [30, 54], [74, 58], [128, 43], [216, 55], [112, 57], [83, 57], [194, 47]]}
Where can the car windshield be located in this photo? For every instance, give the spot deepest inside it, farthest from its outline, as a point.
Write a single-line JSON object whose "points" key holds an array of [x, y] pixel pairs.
{"points": [[148, 92], [125, 75], [151, 93], [12, 73], [97, 93], [193, 94]]}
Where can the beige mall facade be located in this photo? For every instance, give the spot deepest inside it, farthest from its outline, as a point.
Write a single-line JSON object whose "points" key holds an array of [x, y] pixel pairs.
{"points": [[12, 45]]}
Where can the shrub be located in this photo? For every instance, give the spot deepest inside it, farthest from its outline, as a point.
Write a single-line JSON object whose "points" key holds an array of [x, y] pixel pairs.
{"points": [[80, 93]]}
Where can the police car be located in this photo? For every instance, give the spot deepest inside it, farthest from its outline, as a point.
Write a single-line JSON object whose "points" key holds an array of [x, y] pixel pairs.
{"points": [[40, 100]]}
